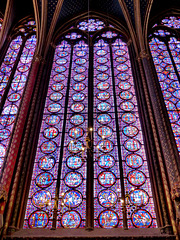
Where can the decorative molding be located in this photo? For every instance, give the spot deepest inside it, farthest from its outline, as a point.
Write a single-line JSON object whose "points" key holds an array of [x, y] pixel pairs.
{"points": [[3, 194]]}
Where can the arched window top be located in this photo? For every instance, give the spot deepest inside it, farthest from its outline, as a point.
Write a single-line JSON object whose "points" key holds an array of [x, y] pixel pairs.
{"points": [[172, 22], [91, 25], [169, 21], [25, 27]]}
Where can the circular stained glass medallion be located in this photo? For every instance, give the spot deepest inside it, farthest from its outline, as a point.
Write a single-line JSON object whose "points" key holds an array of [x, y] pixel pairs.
{"points": [[14, 97], [103, 106], [77, 107], [57, 96], [4, 134], [15, 46], [73, 179], [80, 69], [57, 87], [38, 219], [122, 67], [54, 107], [46, 163], [130, 131], [23, 68], [120, 52], [141, 218], [103, 95], [124, 85], [101, 52], [123, 76], [132, 145], [102, 76], [139, 197], [106, 161], [10, 109], [48, 147], [44, 180], [104, 118], [30, 45], [77, 119], [2, 86], [136, 178], [17, 86], [20, 77], [79, 86], [59, 77], [134, 160], [75, 146], [72, 198], [52, 120], [7, 120], [2, 150], [121, 59], [61, 61], [74, 162], [62, 54], [176, 94], [107, 198], [50, 132], [71, 219], [5, 69], [105, 146], [78, 97], [106, 179], [127, 106], [76, 132], [41, 198], [102, 60], [102, 68], [128, 118], [108, 219], [125, 95], [103, 86], [79, 77], [81, 53], [80, 61], [105, 131], [60, 69]]}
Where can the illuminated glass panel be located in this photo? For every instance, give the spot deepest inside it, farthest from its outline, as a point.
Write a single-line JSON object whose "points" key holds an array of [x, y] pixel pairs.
{"points": [[169, 82], [106, 161], [173, 22], [44, 179], [91, 25], [1, 22], [13, 100], [8, 63], [72, 202], [165, 52], [135, 169]]}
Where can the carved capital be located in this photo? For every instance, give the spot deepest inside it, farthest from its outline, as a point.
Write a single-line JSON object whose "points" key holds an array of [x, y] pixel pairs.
{"points": [[144, 54], [129, 42], [175, 193], [3, 193]]}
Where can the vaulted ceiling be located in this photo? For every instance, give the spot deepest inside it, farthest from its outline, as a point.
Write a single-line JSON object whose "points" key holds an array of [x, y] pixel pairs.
{"points": [[72, 8]]}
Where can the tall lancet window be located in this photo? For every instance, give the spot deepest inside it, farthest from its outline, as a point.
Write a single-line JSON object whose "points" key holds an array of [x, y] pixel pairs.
{"points": [[165, 50], [14, 71], [90, 163]]}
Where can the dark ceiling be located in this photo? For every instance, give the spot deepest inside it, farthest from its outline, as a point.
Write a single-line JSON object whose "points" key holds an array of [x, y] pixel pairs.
{"points": [[72, 8]]}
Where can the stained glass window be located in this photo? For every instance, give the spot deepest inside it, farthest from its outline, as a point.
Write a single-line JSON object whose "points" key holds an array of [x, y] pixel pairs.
{"points": [[90, 117], [12, 86], [165, 49], [1, 21]]}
